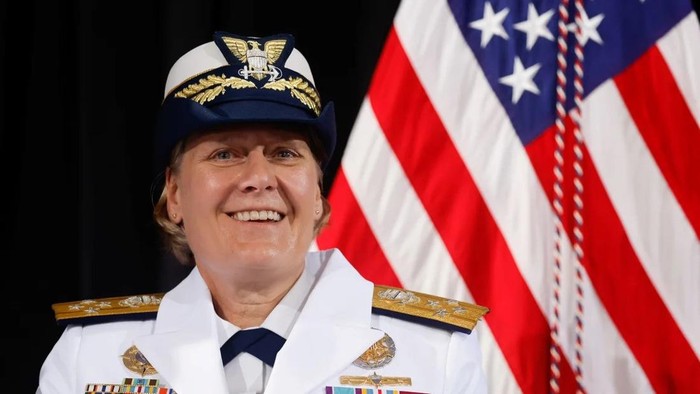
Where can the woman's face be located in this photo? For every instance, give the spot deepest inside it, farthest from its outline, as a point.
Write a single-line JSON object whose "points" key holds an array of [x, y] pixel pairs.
{"points": [[248, 198]]}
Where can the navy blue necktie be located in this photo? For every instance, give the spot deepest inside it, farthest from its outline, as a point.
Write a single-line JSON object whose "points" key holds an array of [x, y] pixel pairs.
{"points": [[260, 342]]}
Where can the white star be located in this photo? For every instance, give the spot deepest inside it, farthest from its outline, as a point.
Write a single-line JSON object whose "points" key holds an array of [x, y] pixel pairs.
{"points": [[521, 79], [491, 24], [535, 26], [589, 28]]}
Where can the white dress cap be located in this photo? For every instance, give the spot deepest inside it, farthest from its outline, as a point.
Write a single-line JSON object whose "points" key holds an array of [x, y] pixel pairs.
{"points": [[207, 57]]}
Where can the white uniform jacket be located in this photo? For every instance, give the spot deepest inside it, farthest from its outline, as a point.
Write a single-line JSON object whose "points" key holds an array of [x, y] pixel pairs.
{"points": [[334, 328]]}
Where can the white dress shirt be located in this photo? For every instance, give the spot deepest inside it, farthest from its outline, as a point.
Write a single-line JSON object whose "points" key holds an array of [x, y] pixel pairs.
{"points": [[246, 374]]}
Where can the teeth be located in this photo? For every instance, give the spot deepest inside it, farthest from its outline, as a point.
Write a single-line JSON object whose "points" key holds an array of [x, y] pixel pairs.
{"points": [[246, 216]]}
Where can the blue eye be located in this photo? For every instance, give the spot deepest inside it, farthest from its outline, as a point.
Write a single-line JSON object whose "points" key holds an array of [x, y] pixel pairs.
{"points": [[286, 154], [223, 155]]}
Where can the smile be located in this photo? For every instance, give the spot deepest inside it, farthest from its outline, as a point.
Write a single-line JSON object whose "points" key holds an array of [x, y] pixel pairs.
{"points": [[258, 216]]}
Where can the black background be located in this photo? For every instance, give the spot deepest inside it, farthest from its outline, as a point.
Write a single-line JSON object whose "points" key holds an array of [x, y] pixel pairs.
{"points": [[80, 85]]}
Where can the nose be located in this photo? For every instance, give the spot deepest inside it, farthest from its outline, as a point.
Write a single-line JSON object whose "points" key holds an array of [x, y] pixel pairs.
{"points": [[257, 173]]}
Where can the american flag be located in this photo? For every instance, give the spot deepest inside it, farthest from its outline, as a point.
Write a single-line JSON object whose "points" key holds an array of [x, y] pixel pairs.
{"points": [[539, 158]]}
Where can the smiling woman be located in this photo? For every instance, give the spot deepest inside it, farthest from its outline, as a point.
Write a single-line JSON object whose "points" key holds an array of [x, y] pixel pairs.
{"points": [[248, 200], [243, 139], [242, 173]]}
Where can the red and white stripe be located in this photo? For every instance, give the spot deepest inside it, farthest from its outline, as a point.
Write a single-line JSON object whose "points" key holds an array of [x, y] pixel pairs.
{"points": [[427, 200]]}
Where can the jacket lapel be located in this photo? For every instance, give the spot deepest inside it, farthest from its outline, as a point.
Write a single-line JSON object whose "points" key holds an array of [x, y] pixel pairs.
{"points": [[332, 330], [184, 347]]}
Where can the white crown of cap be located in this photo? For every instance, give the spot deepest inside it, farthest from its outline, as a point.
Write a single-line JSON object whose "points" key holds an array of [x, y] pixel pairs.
{"points": [[207, 57]]}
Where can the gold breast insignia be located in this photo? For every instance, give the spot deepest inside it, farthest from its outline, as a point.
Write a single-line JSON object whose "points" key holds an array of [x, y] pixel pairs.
{"points": [[375, 380], [378, 355], [135, 361]]}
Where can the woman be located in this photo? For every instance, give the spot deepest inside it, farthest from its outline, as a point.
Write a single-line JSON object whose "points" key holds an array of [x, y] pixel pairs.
{"points": [[243, 139]]}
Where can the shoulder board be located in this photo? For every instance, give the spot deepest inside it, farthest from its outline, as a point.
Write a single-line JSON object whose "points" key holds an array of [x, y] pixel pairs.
{"points": [[426, 309], [138, 307]]}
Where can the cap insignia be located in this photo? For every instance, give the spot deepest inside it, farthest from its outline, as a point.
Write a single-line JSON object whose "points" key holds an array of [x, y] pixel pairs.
{"points": [[378, 355], [135, 361], [256, 68], [257, 62]]}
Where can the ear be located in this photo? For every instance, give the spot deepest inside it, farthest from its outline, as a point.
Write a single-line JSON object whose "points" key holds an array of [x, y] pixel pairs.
{"points": [[173, 197], [318, 203]]}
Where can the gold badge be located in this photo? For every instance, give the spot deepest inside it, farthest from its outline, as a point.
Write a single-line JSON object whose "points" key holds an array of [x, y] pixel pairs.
{"points": [[375, 380], [135, 361], [259, 62], [378, 355]]}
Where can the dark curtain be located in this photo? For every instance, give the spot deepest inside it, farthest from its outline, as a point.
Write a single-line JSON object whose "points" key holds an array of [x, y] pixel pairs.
{"points": [[80, 84]]}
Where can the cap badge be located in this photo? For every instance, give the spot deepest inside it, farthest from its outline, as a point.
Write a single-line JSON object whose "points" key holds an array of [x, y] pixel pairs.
{"points": [[378, 355], [258, 63], [135, 361]]}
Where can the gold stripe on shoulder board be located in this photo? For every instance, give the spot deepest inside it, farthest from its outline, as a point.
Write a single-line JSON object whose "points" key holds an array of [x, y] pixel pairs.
{"points": [[427, 306], [107, 306]]}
